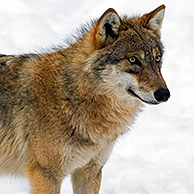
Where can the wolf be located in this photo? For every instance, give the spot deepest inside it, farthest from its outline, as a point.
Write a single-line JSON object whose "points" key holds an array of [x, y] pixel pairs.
{"points": [[62, 111]]}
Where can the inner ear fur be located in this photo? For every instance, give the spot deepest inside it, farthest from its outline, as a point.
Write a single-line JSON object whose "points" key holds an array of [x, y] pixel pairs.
{"points": [[106, 29], [154, 19]]}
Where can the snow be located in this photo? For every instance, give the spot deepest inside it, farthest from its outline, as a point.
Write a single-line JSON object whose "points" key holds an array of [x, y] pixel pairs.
{"points": [[157, 155]]}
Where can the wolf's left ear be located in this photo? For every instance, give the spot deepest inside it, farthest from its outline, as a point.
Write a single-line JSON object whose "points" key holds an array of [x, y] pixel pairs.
{"points": [[153, 20], [106, 29]]}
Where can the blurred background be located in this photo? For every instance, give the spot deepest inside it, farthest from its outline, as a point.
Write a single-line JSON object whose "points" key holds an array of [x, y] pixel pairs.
{"points": [[157, 155]]}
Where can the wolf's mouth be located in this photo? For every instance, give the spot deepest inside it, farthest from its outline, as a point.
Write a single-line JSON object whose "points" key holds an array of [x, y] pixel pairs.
{"points": [[132, 93]]}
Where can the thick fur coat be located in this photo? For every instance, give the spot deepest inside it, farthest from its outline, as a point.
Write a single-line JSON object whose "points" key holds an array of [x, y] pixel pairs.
{"points": [[62, 111]]}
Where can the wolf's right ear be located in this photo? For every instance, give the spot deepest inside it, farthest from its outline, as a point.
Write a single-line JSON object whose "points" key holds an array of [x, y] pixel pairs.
{"points": [[153, 20], [106, 29]]}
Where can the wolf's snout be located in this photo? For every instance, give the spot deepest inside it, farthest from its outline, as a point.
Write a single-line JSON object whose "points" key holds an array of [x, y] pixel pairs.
{"points": [[162, 95]]}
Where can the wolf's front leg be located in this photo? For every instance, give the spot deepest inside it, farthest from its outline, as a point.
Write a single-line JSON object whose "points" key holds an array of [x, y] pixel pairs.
{"points": [[43, 181], [87, 179]]}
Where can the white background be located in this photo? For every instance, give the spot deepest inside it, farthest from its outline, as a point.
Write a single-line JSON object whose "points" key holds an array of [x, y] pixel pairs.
{"points": [[157, 155]]}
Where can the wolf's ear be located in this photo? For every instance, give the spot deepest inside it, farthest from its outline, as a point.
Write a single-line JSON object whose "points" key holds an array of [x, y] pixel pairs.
{"points": [[153, 20], [106, 29]]}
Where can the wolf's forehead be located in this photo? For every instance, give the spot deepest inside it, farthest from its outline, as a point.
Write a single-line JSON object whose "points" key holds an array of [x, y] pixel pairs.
{"points": [[145, 47], [143, 54], [150, 47], [143, 38]]}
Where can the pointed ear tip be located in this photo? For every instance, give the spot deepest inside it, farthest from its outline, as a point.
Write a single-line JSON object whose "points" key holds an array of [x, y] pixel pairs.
{"points": [[162, 7], [110, 10]]}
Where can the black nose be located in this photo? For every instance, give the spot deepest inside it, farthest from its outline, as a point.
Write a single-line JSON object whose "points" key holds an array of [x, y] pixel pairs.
{"points": [[162, 95]]}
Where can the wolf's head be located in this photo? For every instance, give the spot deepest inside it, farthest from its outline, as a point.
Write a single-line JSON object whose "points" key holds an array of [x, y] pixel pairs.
{"points": [[128, 55]]}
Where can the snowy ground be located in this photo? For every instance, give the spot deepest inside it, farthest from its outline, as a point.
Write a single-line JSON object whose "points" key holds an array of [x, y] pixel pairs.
{"points": [[157, 156]]}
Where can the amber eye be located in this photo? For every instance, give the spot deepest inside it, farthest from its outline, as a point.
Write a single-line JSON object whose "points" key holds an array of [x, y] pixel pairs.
{"points": [[158, 58], [132, 60]]}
